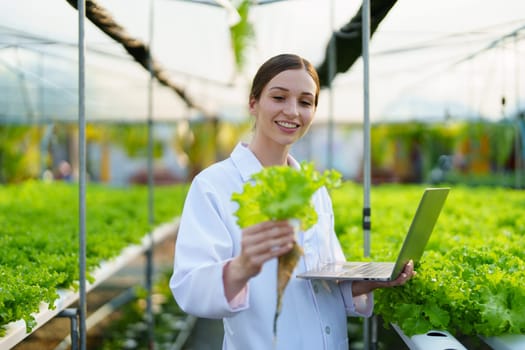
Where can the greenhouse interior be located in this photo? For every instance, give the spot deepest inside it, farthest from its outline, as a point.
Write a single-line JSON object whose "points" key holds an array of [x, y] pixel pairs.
{"points": [[110, 108]]}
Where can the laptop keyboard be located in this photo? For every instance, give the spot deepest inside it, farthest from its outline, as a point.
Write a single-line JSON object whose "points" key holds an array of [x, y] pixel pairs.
{"points": [[374, 268]]}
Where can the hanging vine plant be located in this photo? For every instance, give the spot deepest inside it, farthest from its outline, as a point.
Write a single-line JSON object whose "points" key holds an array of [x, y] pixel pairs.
{"points": [[241, 34]]}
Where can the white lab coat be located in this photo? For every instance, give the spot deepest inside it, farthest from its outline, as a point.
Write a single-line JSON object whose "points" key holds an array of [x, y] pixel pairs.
{"points": [[313, 314]]}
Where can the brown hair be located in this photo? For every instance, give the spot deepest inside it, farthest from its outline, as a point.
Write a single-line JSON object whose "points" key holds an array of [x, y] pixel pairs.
{"points": [[277, 64]]}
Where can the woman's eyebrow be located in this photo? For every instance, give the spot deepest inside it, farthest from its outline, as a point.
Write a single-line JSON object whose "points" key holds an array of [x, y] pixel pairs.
{"points": [[287, 90], [279, 88]]}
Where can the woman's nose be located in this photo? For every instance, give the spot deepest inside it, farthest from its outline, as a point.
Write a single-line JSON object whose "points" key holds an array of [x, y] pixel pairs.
{"points": [[291, 108]]}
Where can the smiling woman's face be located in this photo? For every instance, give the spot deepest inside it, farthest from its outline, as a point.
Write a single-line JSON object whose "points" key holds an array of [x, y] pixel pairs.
{"points": [[285, 109]]}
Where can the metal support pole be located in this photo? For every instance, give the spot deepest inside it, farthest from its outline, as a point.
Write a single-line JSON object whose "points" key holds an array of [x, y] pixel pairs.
{"points": [[184, 334], [149, 300], [72, 314], [98, 316], [82, 175], [517, 153], [367, 165], [519, 137], [40, 117], [332, 61], [150, 120], [44, 147], [365, 13], [149, 252]]}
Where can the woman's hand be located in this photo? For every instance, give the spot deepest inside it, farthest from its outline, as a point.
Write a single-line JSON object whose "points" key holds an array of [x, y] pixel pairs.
{"points": [[259, 243], [363, 287]]}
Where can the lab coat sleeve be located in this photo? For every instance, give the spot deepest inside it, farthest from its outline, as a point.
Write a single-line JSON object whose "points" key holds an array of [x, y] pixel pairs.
{"points": [[362, 305], [204, 245]]}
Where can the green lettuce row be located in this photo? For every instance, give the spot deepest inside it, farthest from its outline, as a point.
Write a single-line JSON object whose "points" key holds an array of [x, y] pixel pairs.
{"points": [[39, 237], [471, 279]]}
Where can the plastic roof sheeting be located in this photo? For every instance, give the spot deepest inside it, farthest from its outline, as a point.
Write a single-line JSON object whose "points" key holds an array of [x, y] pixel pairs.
{"points": [[427, 59], [42, 87]]}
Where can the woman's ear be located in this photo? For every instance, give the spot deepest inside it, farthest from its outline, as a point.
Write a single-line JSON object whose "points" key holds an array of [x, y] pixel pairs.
{"points": [[252, 105]]}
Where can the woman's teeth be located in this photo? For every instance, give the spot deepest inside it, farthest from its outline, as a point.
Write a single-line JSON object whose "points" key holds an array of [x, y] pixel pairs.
{"points": [[287, 125]]}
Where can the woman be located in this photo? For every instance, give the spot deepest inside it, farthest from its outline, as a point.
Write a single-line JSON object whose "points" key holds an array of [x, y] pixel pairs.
{"points": [[223, 272]]}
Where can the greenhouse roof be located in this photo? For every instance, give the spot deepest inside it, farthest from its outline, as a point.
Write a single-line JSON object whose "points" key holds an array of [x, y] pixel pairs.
{"points": [[428, 59]]}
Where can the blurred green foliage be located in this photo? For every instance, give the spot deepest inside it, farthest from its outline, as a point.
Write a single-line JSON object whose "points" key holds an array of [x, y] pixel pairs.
{"points": [[409, 151], [19, 152], [401, 152]]}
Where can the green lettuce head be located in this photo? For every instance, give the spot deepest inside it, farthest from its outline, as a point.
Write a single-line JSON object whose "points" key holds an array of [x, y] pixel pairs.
{"points": [[282, 193]]}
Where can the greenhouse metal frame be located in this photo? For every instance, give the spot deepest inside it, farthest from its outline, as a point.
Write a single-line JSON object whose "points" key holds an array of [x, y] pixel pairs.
{"points": [[152, 237]]}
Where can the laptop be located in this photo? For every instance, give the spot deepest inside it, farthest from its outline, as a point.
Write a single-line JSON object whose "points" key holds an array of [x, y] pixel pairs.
{"points": [[414, 244]]}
